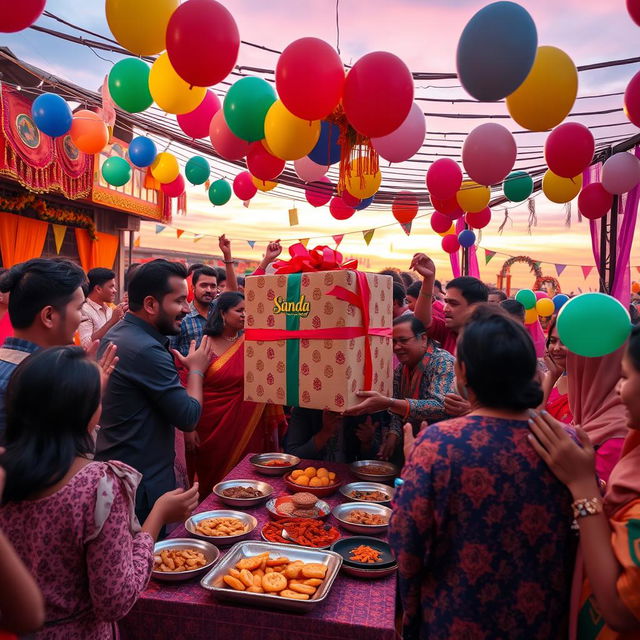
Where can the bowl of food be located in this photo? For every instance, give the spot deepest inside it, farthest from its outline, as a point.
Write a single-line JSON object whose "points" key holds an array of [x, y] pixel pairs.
{"points": [[367, 492], [300, 531], [367, 518], [243, 493], [298, 505], [180, 559], [274, 464], [221, 526], [319, 481], [362, 552], [374, 470]]}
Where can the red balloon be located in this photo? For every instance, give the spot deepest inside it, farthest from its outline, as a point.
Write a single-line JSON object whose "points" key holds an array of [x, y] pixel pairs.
{"points": [[378, 94], [405, 207], [440, 223], [225, 143], [243, 186], [480, 219], [569, 149], [339, 210], [318, 192], [175, 188], [19, 14], [632, 100], [202, 42], [444, 179], [633, 7], [349, 200], [310, 78], [196, 123], [262, 164], [449, 206], [594, 201], [450, 243]]}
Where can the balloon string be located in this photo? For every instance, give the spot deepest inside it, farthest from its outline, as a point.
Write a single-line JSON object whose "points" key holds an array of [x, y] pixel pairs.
{"points": [[338, 26]]}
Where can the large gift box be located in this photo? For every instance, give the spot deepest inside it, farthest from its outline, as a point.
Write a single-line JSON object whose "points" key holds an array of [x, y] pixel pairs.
{"points": [[315, 338]]}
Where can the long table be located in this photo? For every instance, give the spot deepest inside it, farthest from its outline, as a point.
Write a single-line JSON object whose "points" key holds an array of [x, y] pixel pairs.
{"points": [[355, 608]]}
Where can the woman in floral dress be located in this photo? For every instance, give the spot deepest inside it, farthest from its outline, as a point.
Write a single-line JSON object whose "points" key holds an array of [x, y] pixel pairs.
{"points": [[482, 529]]}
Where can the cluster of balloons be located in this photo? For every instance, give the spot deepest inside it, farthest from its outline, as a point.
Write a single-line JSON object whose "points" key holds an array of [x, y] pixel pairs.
{"points": [[538, 303]]}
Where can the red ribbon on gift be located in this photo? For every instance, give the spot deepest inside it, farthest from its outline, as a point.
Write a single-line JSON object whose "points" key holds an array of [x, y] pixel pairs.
{"points": [[322, 258]]}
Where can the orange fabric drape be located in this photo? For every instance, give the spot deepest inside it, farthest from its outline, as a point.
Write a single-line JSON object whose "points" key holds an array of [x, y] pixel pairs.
{"points": [[21, 238], [96, 253]]}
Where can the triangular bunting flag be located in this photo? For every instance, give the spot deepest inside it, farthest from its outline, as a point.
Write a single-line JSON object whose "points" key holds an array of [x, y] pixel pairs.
{"points": [[246, 204], [59, 231], [304, 242], [368, 235], [560, 268], [638, 268], [538, 264], [406, 227], [136, 242], [488, 255], [207, 184], [251, 243], [160, 228], [293, 217], [179, 232], [586, 271], [338, 239], [198, 237]]}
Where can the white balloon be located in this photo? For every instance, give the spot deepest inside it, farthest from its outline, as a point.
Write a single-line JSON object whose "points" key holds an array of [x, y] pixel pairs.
{"points": [[308, 170]]}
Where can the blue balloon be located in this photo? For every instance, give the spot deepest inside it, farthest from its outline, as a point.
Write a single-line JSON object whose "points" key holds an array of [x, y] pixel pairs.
{"points": [[559, 300], [496, 51], [52, 114], [327, 150], [466, 238], [364, 203], [142, 151]]}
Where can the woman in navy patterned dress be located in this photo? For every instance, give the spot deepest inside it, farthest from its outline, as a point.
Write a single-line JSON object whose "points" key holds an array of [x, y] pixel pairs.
{"points": [[481, 527]]}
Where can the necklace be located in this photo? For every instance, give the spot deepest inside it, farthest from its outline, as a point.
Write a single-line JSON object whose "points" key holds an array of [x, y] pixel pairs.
{"points": [[232, 338]]}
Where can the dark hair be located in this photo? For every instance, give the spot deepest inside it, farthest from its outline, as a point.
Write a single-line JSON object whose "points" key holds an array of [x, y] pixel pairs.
{"points": [[550, 328], [394, 274], [634, 348], [498, 292], [129, 273], [634, 314], [472, 289], [222, 274], [514, 308], [224, 302], [152, 279], [194, 266], [500, 360], [38, 283], [407, 278], [240, 280], [98, 277], [414, 289], [203, 271], [417, 327], [44, 437], [399, 293], [437, 284]]}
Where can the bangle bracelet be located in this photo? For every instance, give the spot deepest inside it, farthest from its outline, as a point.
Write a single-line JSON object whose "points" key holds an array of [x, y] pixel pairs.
{"points": [[229, 261], [407, 410], [586, 507], [426, 295], [196, 372]]}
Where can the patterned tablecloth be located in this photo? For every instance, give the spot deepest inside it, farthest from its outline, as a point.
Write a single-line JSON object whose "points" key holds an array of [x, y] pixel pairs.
{"points": [[355, 608]]}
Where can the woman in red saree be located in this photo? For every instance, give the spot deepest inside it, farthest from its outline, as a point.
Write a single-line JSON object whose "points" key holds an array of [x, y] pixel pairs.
{"points": [[229, 426], [555, 384]]}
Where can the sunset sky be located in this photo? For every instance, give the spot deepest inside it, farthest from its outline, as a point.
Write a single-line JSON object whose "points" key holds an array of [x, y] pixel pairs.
{"points": [[424, 33]]}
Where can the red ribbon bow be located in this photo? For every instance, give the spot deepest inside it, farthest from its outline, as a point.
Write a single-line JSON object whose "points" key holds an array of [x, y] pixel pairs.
{"points": [[322, 258]]}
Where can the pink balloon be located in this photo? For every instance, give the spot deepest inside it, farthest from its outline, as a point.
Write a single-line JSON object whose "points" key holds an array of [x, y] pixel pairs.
{"points": [[594, 202], [541, 294], [339, 210], [569, 149], [480, 219], [308, 170], [262, 164], [319, 192], [175, 188], [489, 153], [440, 223], [406, 140], [444, 179], [196, 123], [450, 243], [225, 143], [243, 186], [621, 173]]}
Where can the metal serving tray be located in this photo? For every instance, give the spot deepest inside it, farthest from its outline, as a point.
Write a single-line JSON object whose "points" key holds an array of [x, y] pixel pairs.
{"points": [[213, 580]]}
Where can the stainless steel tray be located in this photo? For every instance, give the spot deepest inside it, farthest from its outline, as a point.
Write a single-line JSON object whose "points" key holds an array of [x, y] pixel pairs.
{"points": [[223, 541], [342, 511], [267, 492], [213, 580], [210, 552], [347, 489]]}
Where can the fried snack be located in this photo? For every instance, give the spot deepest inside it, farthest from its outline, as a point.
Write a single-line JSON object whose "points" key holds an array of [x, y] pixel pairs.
{"points": [[219, 527], [286, 508], [251, 563], [247, 578], [255, 589], [274, 582], [276, 463], [314, 582], [303, 499], [234, 583], [293, 595], [292, 572], [364, 517], [242, 492], [312, 477], [176, 560], [314, 570], [370, 496], [364, 554], [302, 588]]}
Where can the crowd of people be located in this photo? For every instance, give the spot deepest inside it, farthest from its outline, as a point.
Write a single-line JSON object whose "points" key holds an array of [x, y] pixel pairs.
{"points": [[518, 515]]}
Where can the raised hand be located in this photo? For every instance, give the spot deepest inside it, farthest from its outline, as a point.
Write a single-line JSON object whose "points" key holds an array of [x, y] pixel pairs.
{"points": [[424, 265]]}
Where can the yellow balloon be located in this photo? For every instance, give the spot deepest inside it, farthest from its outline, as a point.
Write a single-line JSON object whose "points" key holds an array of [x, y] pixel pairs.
{"points": [[287, 136], [165, 167], [449, 231], [531, 315], [473, 197], [545, 307], [263, 185], [548, 93], [560, 190], [169, 91], [361, 183], [140, 25]]}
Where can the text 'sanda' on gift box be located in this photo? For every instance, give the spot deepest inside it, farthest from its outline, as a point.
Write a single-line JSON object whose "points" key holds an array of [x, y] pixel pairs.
{"points": [[314, 339]]}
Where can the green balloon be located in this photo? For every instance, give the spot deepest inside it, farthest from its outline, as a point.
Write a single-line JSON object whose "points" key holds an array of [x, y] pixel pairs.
{"points": [[197, 170], [518, 186], [116, 171], [246, 105], [593, 325], [129, 85], [526, 298], [219, 192]]}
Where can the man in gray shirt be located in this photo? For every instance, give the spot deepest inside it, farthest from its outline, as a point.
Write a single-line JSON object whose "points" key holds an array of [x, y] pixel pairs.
{"points": [[144, 399]]}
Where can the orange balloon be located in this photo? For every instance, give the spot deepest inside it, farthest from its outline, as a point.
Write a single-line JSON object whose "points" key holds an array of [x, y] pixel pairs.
{"points": [[89, 132], [635, 287]]}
